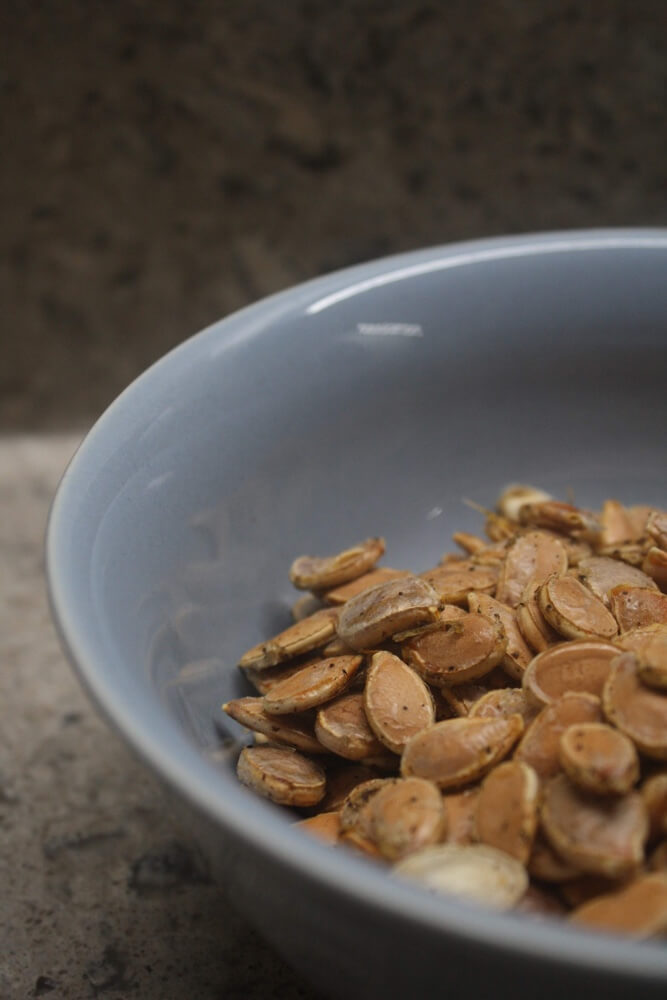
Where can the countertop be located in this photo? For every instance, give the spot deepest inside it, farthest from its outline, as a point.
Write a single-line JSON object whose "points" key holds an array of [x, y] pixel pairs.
{"points": [[102, 894]]}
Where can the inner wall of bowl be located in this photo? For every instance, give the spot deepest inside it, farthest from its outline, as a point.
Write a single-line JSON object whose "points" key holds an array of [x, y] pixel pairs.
{"points": [[377, 414]]}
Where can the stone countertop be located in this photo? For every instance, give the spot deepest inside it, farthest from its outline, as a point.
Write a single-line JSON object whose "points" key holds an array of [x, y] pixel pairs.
{"points": [[102, 894]]}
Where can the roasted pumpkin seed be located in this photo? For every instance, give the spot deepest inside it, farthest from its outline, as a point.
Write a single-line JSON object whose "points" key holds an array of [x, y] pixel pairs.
{"points": [[294, 730], [599, 759], [397, 702], [639, 910], [637, 710], [476, 872], [573, 611], [533, 558], [582, 665], [376, 614], [636, 606], [603, 835], [506, 814], [315, 573], [312, 686], [457, 751], [341, 726], [282, 775], [457, 652], [406, 816]]}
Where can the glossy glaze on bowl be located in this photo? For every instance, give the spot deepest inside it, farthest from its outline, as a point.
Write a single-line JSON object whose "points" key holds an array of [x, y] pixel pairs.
{"points": [[367, 402]]}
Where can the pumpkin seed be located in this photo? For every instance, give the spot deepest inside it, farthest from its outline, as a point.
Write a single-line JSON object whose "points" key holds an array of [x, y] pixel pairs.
{"points": [[604, 835], [599, 759], [639, 910], [376, 614], [638, 711], [282, 775], [457, 751], [315, 573], [475, 872], [397, 702], [573, 611], [506, 814], [314, 684]]}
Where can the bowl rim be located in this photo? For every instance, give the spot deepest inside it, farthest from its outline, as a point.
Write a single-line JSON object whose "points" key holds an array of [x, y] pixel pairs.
{"points": [[181, 766]]}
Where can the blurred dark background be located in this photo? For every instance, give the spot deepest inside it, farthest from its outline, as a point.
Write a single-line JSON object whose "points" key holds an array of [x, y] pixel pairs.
{"points": [[164, 163]]}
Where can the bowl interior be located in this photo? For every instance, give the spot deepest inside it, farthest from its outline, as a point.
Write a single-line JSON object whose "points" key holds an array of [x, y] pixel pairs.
{"points": [[369, 402]]}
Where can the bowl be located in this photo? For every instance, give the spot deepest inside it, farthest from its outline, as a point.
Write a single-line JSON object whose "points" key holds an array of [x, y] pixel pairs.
{"points": [[370, 401]]}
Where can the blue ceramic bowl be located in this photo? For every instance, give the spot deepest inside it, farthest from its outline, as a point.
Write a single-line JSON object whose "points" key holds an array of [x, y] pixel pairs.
{"points": [[367, 402]]}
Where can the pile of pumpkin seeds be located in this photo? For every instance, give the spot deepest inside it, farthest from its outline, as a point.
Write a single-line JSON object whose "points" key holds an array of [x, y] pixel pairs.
{"points": [[494, 727]]}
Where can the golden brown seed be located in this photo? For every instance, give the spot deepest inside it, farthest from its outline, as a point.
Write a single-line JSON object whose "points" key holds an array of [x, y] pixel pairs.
{"points": [[514, 496], [599, 759], [501, 704], [655, 565], [406, 816], [282, 775], [476, 872], [654, 793], [266, 679], [457, 751], [636, 606], [295, 730], [533, 558], [603, 835], [342, 777], [454, 581], [506, 815], [638, 711], [639, 910], [397, 702], [458, 652], [656, 527], [652, 658], [601, 574], [302, 637], [312, 686], [342, 727], [339, 595], [582, 665], [546, 865], [574, 611], [355, 811], [532, 624], [558, 516], [539, 902], [469, 543], [325, 826], [460, 808], [376, 614], [541, 741], [616, 524], [517, 654], [313, 573]]}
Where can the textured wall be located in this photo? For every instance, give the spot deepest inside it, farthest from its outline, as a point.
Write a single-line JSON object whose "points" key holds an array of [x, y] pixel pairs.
{"points": [[165, 163]]}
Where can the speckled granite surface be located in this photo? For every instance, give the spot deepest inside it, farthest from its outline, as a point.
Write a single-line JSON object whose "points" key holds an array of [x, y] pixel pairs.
{"points": [[102, 894], [165, 163]]}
